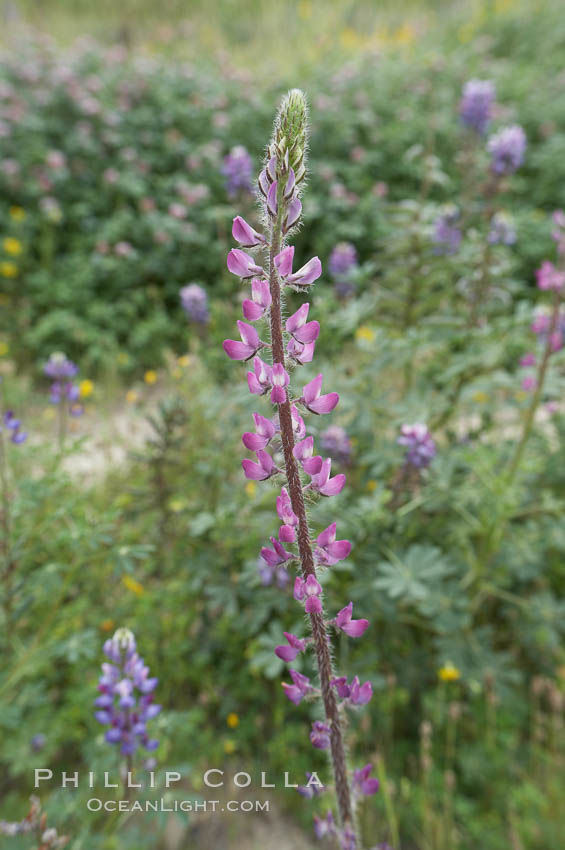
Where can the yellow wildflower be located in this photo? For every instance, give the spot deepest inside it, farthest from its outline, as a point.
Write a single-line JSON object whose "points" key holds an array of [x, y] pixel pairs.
{"points": [[12, 246], [150, 376], [8, 269], [449, 672], [4, 349], [349, 38], [480, 397], [86, 388], [305, 10], [177, 505], [232, 720], [184, 360], [250, 488], [49, 413], [371, 485], [229, 746], [365, 333], [17, 213], [131, 396], [107, 625], [133, 585]]}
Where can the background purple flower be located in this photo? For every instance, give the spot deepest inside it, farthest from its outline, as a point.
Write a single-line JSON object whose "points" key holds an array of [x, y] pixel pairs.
{"points": [[421, 447], [194, 301], [475, 106], [335, 442], [446, 235], [507, 149], [237, 168], [501, 230]]}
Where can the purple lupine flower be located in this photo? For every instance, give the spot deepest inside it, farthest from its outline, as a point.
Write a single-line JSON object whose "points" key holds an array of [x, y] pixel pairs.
{"points": [[355, 693], [194, 302], [353, 628], [261, 438], [126, 690], [248, 347], [421, 447], [343, 260], [38, 742], [295, 646], [269, 574], [363, 783], [320, 735], [329, 550], [501, 230], [507, 149], [447, 236], [323, 484], [475, 106], [254, 308], [62, 370], [311, 789], [324, 827], [59, 367], [309, 592], [315, 402], [528, 359], [280, 185], [263, 469], [335, 442], [549, 277], [13, 425], [237, 168], [300, 688]]}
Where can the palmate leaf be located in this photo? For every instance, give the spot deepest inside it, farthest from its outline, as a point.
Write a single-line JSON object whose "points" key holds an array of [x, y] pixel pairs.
{"points": [[413, 575]]}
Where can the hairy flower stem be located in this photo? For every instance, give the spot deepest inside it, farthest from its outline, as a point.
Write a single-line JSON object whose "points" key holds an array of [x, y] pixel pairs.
{"points": [[536, 398], [319, 632]]}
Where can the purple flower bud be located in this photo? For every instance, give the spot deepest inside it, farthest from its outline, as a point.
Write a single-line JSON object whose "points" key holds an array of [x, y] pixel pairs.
{"points": [[420, 444], [194, 302], [277, 555], [300, 688], [303, 452], [263, 435], [353, 628], [249, 346], [243, 233], [280, 380], [242, 264], [475, 107], [320, 735], [260, 302], [329, 550], [323, 484], [289, 653], [259, 381], [507, 149], [303, 331], [548, 277], [262, 470], [447, 236], [283, 261]]}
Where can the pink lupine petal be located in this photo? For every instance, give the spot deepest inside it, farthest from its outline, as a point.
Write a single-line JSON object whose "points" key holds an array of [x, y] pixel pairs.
{"points": [[272, 168], [344, 616], [252, 311], [286, 653], [328, 535], [313, 605], [304, 448], [311, 391], [299, 591], [290, 183], [264, 182], [300, 352], [254, 385], [264, 425], [339, 550], [293, 214], [253, 471], [253, 442], [242, 264], [272, 204], [243, 233], [334, 486], [312, 465], [312, 586], [278, 395], [308, 333], [296, 642], [355, 628], [270, 557], [324, 404], [279, 375], [306, 275], [364, 694], [287, 534], [260, 292], [294, 693], [248, 334], [283, 261], [238, 350], [297, 319]]}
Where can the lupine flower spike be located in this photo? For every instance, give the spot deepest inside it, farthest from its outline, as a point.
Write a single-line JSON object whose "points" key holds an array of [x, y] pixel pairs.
{"points": [[292, 342]]}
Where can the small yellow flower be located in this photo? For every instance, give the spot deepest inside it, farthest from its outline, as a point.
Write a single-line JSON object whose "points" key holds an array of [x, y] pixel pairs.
{"points": [[229, 746], [184, 360], [133, 585], [250, 489], [4, 349], [177, 505], [365, 333], [49, 413], [17, 213], [131, 396], [449, 672], [371, 486], [150, 376], [86, 388], [404, 35], [232, 720], [12, 246], [480, 397], [8, 269], [107, 625], [305, 10], [349, 38]]}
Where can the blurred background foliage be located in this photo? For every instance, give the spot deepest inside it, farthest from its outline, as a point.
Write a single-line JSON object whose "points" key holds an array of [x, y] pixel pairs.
{"points": [[111, 183]]}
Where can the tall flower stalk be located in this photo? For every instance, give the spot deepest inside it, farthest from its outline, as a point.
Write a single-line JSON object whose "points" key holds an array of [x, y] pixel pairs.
{"points": [[292, 344]]}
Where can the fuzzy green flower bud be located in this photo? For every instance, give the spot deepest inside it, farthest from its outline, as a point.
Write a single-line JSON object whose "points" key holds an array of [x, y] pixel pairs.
{"points": [[290, 139]]}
